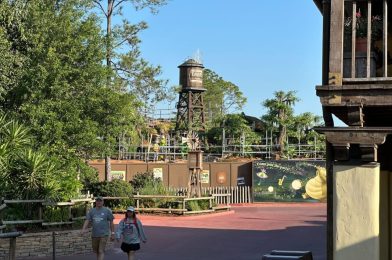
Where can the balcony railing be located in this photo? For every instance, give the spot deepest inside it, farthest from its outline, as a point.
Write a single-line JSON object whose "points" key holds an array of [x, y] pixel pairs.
{"points": [[366, 22]]}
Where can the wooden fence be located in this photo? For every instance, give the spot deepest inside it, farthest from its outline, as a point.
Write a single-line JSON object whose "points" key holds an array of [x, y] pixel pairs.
{"points": [[238, 194], [87, 202], [178, 201], [218, 200]]}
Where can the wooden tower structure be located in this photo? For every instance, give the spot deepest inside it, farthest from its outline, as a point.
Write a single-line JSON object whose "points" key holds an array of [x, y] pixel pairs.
{"points": [[357, 88], [190, 106]]}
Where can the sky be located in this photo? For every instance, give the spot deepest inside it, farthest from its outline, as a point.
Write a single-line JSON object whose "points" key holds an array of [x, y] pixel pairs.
{"points": [[261, 46]]}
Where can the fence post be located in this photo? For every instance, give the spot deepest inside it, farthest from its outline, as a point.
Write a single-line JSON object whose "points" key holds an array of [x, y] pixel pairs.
{"points": [[242, 194], [137, 201], [1, 214], [12, 248], [54, 244]]}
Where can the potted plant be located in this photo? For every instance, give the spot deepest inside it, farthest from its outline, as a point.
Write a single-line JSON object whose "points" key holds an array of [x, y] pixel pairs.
{"points": [[362, 28]]}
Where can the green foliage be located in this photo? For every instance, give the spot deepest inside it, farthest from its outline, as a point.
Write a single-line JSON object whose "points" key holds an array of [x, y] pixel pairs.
{"points": [[115, 188], [130, 72], [235, 126], [144, 179], [146, 184], [280, 114], [58, 84], [197, 205], [221, 96], [55, 214], [29, 173]]}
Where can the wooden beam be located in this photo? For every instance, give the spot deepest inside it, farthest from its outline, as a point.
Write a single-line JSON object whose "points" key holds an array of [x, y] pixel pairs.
{"points": [[22, 201], [57, 223], [336, 40], [369, 38], [385, 38], [13, 222], [353, 38], [58, 204]]}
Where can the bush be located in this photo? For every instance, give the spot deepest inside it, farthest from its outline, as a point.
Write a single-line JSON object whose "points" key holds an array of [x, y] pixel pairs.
{"points": [[115, 188], [142, 180], [197, 205], [154, 187]]}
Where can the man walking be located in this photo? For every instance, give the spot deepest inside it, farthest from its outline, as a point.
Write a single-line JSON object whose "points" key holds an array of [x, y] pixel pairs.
{"points": [[101, 219]]}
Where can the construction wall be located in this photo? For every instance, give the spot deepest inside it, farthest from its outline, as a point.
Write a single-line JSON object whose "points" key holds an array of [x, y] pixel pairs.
{"points": [[176, 174], [285, 180]]}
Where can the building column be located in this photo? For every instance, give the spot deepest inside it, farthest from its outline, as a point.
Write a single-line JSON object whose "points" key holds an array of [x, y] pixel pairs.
{"points": [[356, 207]]}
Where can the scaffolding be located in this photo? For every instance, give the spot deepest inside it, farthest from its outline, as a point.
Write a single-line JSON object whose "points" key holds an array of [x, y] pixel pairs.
{"points": [[176, 150]]}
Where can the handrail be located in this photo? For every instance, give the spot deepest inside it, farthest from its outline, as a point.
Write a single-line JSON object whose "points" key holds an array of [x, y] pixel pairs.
{"points": [[11, 234], [43, 203]]}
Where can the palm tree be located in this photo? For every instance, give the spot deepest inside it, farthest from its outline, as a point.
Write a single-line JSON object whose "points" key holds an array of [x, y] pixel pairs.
{"points": [[280, 114]]}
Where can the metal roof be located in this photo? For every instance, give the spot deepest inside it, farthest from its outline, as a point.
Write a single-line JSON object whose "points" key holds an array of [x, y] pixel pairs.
{"points": [[191, 63]]}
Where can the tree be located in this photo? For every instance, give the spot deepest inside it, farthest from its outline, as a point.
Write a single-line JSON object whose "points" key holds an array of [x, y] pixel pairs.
{"points": [[235, 126], [11, 38], [280, 114], [128, 70], [302, 125], [221, 96], [302, 130], [28, 173], [61, 92]]}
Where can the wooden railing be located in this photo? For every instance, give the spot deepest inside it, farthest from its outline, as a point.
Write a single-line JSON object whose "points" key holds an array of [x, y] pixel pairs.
{"points": [[180, 201], [87, 201], [178, 205], [238, 194]]}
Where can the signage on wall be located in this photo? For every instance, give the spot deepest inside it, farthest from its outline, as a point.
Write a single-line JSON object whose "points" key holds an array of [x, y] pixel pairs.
{"points": [[240, 181], [118, 175], [221, 177], [158, 173], [294, 180], [205, 176]]}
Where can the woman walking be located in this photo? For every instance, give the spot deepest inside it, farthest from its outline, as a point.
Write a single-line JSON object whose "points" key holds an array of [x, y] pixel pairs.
{"points": [[131, 230]]}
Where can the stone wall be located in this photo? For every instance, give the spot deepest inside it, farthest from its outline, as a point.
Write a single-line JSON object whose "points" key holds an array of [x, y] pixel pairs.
{"points": [[70, 242]]}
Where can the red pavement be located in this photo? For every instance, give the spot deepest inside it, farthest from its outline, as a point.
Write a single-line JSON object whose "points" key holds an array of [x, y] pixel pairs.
{"points": [[246, 232]]}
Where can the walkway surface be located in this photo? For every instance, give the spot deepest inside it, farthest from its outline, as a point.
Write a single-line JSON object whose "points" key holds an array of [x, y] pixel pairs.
{"points": [[247, 232]]}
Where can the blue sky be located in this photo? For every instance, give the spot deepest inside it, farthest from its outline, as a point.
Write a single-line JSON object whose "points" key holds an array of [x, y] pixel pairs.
{"points": [[261, 46]]}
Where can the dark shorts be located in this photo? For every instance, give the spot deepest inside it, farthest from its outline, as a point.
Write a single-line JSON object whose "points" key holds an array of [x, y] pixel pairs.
{"points": [[129, 247]]}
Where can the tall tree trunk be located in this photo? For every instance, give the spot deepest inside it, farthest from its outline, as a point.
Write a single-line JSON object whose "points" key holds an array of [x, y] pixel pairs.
{"points": [[108, 168], [281, 139], [282, 132]]}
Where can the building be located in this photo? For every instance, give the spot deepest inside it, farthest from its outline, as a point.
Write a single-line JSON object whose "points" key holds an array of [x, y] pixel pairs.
{"points": [[357, 88]]}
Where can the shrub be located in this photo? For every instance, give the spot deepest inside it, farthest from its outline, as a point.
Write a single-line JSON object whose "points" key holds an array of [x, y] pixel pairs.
{"points": [[115, 188], [197, 205], [143, 179]]}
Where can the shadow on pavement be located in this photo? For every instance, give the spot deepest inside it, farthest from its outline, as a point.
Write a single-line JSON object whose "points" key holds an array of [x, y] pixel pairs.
{"points": [[221, 244]]}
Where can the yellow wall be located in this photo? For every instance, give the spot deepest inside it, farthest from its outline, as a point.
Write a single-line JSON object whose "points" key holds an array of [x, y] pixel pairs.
{"points": [[356, 217]]}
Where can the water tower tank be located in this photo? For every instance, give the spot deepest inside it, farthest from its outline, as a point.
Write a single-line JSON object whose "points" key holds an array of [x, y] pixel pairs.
{"points": [[191, 75]]}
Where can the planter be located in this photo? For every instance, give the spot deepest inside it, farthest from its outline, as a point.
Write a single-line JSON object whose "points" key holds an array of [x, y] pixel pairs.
{"points": [[360, 64], [361, 45]]}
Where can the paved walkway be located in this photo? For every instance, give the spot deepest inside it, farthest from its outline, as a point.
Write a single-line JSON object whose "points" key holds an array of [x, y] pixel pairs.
{"points": [[247, 232]]}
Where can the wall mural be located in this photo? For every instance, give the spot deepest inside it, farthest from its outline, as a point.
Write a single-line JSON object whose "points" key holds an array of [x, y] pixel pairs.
{"points": [[289, 181]]}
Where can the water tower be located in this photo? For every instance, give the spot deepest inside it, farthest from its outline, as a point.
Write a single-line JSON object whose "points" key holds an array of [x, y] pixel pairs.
{"points": [[190, 107]]}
